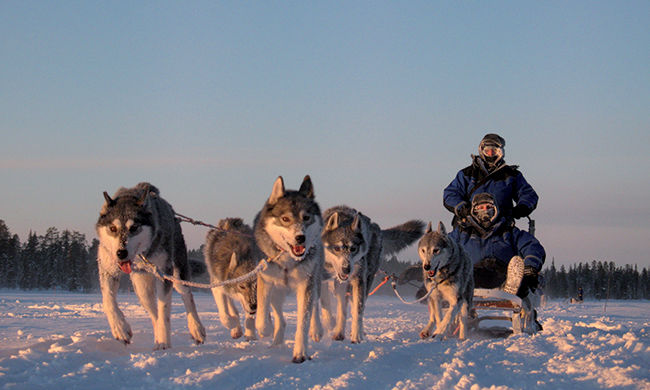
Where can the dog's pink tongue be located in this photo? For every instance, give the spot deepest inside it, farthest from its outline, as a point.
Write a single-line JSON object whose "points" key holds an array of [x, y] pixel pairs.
{"points": [[126, 267], [298, 250]]}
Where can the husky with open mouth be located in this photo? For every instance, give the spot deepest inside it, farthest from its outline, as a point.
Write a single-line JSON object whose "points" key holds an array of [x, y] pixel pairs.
{"points": [[448, 270], [288, 229], [354, 247], [138, 221]]}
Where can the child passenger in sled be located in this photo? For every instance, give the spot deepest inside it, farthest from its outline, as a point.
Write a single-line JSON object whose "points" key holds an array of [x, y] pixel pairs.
{"points": [[503, 256], [490, 173]]}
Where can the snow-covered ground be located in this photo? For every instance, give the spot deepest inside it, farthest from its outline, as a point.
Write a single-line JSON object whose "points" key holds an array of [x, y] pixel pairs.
{"points": [[62, 341]]}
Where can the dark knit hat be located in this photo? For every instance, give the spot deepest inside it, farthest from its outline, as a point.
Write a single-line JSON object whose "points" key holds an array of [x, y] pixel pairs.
{"points": [[483, 197], [493, 139]]}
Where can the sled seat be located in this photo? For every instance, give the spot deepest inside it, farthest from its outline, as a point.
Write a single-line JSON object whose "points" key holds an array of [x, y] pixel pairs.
{"points": [[497, 305]]}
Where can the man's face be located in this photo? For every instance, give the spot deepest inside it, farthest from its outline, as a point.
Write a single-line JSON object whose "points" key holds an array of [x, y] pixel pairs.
{"points": [[491, 151]]}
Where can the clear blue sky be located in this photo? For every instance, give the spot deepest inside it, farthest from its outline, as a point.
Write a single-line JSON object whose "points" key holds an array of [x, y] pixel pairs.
{"points": [[380, 102]]}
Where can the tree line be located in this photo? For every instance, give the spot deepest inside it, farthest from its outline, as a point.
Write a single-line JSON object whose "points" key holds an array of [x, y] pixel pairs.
{"points": [[64, 260], [56, 260], [598, 280]]}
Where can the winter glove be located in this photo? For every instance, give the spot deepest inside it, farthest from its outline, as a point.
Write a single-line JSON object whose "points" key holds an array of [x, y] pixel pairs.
{"points": [[530, 278], [462, 210], [520, 211]]}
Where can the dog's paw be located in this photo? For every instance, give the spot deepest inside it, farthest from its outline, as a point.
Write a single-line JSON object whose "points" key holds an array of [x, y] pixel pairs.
{"points": [[122, 332], [199, 340], [425, 334], [300, 359], [316, 335], [264, 329], [277, 341], [439, 336], [338, 336], [161, 346], [250, 337], [198, 334], [236, 333]]}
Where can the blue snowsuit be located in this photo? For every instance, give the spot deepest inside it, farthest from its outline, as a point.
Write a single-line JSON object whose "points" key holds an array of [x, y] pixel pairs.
{"points": [[501, 241], [504, 182]]}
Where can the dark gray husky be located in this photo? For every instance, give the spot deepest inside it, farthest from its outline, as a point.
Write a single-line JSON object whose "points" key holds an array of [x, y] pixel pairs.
{"points": [[230, 252], [354, 248], [448, 270]]}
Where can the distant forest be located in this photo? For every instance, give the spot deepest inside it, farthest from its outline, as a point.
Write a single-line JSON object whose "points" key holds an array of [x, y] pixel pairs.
{"points": [[64, 260], [598, 280]]}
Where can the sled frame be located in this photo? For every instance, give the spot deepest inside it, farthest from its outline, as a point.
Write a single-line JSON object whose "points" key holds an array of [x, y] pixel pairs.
{"points": [[495, 300]]}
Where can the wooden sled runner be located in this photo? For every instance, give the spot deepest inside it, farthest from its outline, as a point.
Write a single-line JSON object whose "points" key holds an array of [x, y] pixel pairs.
{"points": [[497, 305], [494, 304]]}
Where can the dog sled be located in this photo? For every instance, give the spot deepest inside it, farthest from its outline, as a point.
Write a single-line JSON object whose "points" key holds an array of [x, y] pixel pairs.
{"points": [[497, 312], [494, 312], [493, 305], [493, 308]]}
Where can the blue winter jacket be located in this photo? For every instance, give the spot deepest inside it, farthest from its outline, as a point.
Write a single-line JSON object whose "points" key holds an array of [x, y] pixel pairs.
{"points": [[505, 183], [501, 242]]}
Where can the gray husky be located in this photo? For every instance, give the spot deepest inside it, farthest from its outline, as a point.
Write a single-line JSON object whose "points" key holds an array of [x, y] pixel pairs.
{"points": [[354, 247], [288, 229], [138, 221], [230, 252], [448, 270]]}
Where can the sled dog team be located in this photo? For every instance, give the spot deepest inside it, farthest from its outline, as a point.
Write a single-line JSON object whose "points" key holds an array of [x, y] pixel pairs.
{"points": [[327, 259]]}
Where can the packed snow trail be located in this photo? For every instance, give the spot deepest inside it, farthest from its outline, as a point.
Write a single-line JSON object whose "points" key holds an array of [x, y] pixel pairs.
{"points": [[62, 341]]}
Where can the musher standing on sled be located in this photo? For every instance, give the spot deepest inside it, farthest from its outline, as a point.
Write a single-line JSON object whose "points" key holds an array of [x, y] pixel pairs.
{"points": [[503, 256], [489, 173]]}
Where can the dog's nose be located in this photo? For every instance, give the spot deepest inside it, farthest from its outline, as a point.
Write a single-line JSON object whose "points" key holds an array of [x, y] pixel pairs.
{"points": [[300, 239], [254, 307], [122, 254], [426, 267]]}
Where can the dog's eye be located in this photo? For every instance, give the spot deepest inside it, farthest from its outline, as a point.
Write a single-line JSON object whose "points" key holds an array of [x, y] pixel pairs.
{"points": [[436, 251], [113, 229], [306, 218], [336, 248], [354, 249], [285, 219], [242, 288], [134, 228]]}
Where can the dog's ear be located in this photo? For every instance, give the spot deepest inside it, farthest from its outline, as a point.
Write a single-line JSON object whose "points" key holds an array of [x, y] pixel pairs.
{"points": [[306, 188], [236, 223], [233, 262], [108, 198], [224, 224], [278, 190], [332, 222], [356, 222], [145, 196], [429, 230], [441, 228], [109, 202]]}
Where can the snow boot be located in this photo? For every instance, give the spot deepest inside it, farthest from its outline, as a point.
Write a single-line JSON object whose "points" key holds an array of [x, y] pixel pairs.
{"points": [[515, 274]]}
